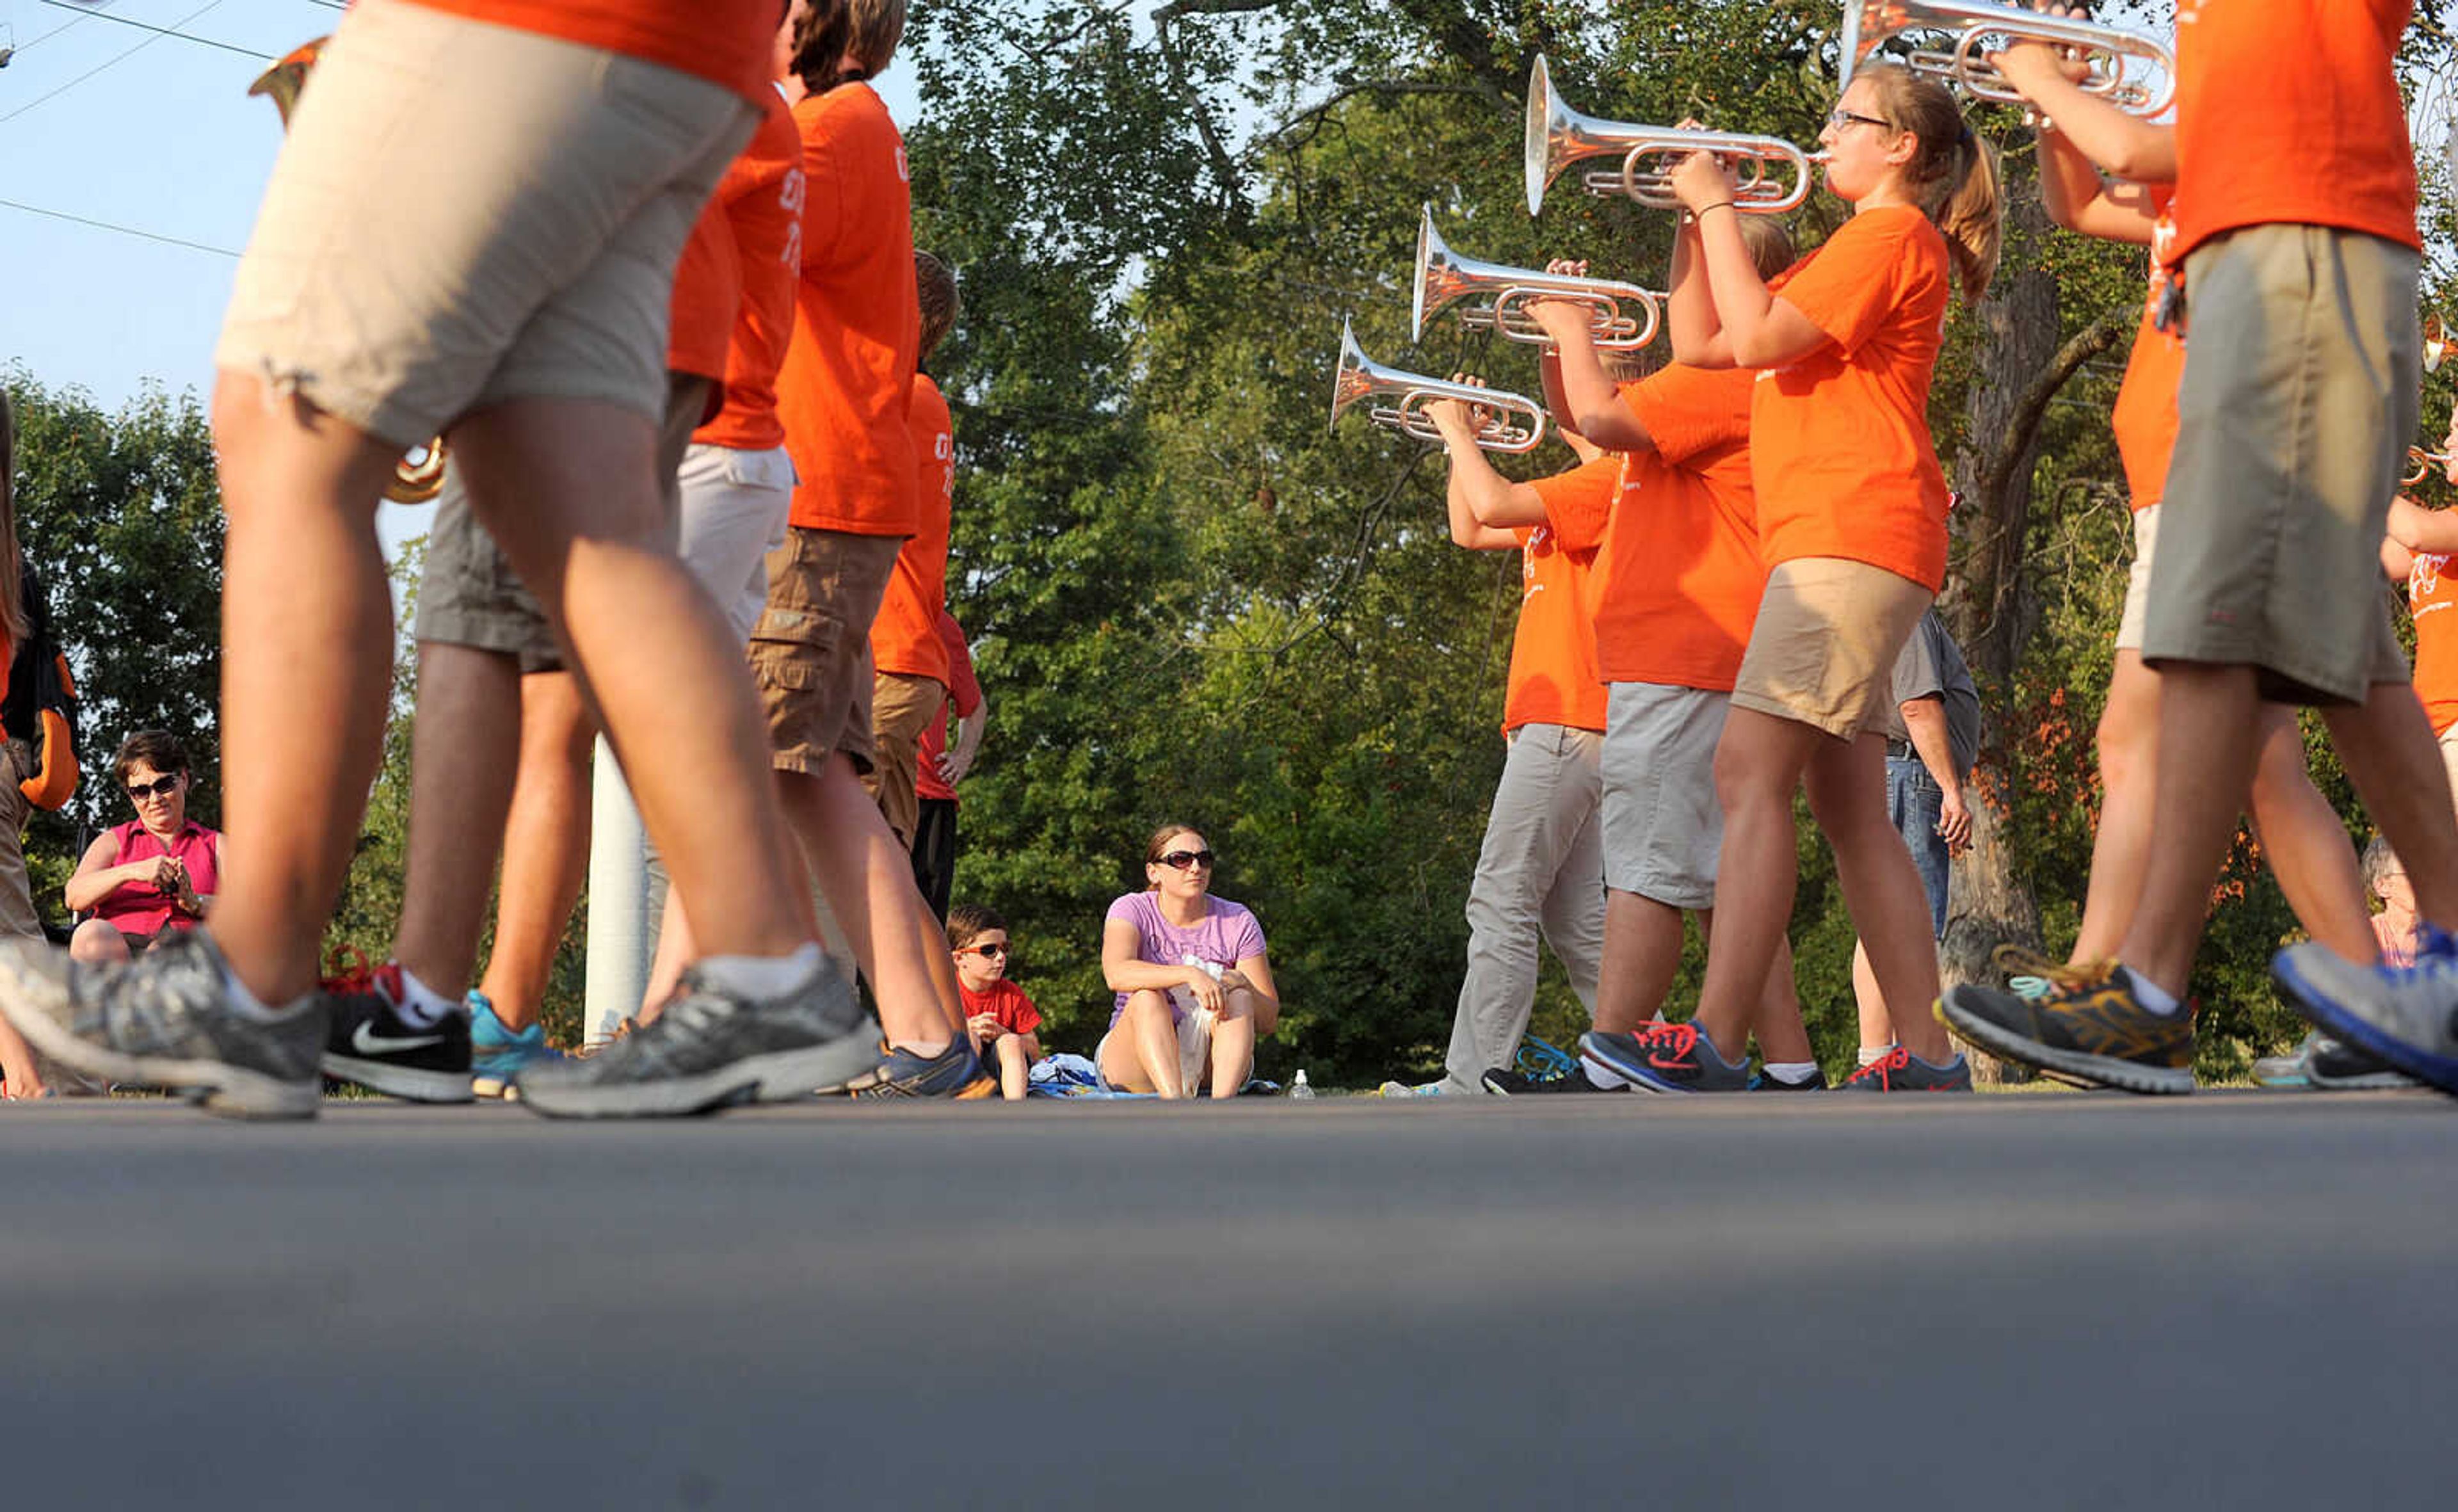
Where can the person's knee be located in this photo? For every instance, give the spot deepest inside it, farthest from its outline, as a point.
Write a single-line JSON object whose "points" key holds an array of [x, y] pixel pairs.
{"points": [[1146, 1002], [98, 943]]}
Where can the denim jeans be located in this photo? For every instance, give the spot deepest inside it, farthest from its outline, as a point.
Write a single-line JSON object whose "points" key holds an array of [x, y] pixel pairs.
{"points": [[1914, 802]]}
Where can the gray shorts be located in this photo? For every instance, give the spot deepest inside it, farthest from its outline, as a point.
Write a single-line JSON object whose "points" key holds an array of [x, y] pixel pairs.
{"points": [[1662, 824], [2297, 404]]}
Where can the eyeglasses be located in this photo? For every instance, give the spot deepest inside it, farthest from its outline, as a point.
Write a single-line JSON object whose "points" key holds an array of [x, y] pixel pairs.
{"points": [[161, 787], [1181, 861], [1838, 118], [995, 947]]}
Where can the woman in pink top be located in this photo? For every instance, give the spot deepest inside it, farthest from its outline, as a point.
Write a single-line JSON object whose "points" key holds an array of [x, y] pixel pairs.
{"points": [[152, 873], [1174, 947]]}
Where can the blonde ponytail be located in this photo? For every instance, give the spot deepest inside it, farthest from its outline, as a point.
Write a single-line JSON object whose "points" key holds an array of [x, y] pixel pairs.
{"points": [[1954, 176]]}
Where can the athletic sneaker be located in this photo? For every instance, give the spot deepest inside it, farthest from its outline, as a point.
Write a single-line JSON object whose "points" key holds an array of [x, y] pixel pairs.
{"points": [[166, 1020], [366, 1040], [1510, 1082], [712, 1048], [1761, 1082], [1409, 1089], [497, 1054], [955, 1073], [2406, 1015], [1666, 1058], [1900, 1070], [2288, 1071], [2089, 1028], [2333, 1067]]}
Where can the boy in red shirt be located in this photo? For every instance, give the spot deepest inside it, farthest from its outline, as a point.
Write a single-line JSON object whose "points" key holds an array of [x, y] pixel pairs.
{"points": [[998, 1017]]}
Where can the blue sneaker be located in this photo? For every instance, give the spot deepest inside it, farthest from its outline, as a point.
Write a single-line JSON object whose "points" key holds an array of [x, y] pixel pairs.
{"points": [[497, 1055], [955, 1073], [2406, 1015], [1666, 1058]]}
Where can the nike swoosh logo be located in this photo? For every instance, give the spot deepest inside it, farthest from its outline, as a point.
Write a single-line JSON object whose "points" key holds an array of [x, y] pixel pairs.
{"points": [[367, 1042]]}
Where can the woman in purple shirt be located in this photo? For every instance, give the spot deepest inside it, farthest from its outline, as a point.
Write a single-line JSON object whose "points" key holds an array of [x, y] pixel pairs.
{"points": [[1173, 948]]}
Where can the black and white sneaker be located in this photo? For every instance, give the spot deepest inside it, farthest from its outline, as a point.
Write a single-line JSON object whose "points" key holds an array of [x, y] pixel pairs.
{"points": [[1505, 1082], [368, 1041], [165, 1020], [2336, 1067], [712, 1048]]}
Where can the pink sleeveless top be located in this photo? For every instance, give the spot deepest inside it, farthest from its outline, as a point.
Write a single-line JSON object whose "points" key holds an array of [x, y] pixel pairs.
{"points": [[143, 908]]}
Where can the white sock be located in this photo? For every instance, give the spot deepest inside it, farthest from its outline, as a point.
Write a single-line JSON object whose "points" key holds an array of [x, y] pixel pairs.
{"points": [[758, 977], [422, 1007], [248, 1005], [1792, 1073], [1872, 1054], [2153, 997], [1601, 1081]]}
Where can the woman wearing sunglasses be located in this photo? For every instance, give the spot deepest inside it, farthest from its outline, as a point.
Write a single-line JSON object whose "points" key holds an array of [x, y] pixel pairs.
{"points": [[1175, 949], [152, 873]]}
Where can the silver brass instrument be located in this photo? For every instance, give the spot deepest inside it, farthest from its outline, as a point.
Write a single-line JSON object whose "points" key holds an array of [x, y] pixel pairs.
{"points": [[2436, 343], [1445, 278], [2421, 463], [1976, 23], [1559, 136], [1360, 378]]}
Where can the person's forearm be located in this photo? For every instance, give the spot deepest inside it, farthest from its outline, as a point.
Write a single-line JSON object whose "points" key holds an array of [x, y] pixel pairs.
{"points": [[1143, 976], [1590, 403], [2433, 531], [1690, 321], [1924, 721], [86, 889], [1742, 303], [968, 734], [2116, 142]]}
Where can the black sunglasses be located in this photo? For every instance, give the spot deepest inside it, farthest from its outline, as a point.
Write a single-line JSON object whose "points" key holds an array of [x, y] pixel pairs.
{"points": [[160, 787], [1181, 861], [994, 947]]}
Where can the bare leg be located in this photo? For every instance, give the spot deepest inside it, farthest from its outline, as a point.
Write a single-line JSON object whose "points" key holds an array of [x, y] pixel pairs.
{"points": [[306, 625], [568, 487], [464, 743], [2129, 751], [2208, 715], [2307, 842], [666, 967], [18, 1075], [1233, 1044], [1780, 1034], [1642, 953], [99, 944], [2386, 745], [867, 878], [1013, 1066], [1758, 764], [1139, 1054], [1882, 888], [545, 846], [1877, 1027]]}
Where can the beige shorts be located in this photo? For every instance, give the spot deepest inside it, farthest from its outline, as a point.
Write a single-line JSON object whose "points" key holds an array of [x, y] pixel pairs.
{"points": [[2297, 404], [1822, 653], [2449, 755], [903, 708], [2137, 579], [463, 214], [810, 651]]}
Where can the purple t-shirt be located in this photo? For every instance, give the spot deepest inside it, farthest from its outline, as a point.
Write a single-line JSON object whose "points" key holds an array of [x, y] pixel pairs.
{"points": [[1226, 934]]}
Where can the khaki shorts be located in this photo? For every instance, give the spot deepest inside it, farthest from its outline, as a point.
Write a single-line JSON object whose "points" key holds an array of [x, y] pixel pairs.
{"points": [[810, 651], [1663, 825], [2449, 740], [463, 214], [1822, 653], [469, 595], [2297, 404], [2137, 579], [903, 708]]}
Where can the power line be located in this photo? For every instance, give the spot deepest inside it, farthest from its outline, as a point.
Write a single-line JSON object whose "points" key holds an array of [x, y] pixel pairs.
{"points": [[125, 231], [121, 57], [147, 26], [84, 13]]}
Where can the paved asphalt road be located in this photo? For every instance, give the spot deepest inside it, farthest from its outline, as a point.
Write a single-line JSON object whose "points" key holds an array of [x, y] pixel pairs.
{"points": [[2054, 1301]]}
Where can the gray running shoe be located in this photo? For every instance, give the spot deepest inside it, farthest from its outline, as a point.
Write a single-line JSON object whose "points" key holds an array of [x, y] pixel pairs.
{"points": [[165, 1020], [2331, 1067], [2288, 1071], [712, 1050], [1900, 1070], [2406, 1015]]}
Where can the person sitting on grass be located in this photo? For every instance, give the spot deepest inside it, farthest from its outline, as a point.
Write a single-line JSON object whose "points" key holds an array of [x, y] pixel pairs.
{"points": [[152, 874], [997, 1014], [1173, 952]]}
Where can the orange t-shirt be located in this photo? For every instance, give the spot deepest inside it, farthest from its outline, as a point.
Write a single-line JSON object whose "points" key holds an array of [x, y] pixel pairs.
{"points": [[2288, 112], [842, 391], [762, 195], [708, 288], [1840, 448], [1677, 577], [2145, 417], [904, 637], [727, 42], [1554, 677], [2431, 593]]}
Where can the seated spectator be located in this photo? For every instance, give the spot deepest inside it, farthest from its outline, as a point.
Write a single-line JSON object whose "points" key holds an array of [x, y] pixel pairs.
{"points": [[2396, 927], [997, 1014], [1173, 951], [152, 873]]}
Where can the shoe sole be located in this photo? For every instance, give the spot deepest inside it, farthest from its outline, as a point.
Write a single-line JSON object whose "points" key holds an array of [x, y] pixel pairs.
{"points": [[2368, 1081], [2093, 1070], [2436, 1071], [784, 1076], [233, 1091], [409, 1082]]}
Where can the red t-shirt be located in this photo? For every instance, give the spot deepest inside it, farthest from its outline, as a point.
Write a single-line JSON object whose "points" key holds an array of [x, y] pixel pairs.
{"points": [[708, 290], [1016, 1011], [2145, 417], [1553, 675], [1840, 448], [762, 195], [904, 636], [844, 391], [1677, 576], [964, 697], [727, 42], [2288, 113], [2432, 595]]}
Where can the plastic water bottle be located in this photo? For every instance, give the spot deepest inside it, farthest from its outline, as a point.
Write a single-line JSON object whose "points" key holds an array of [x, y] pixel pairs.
{"points": [[1298, 1087]]}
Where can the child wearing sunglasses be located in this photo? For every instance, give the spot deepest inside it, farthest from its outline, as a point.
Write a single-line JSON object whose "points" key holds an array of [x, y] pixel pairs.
{"points": [[997, 1014]]}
